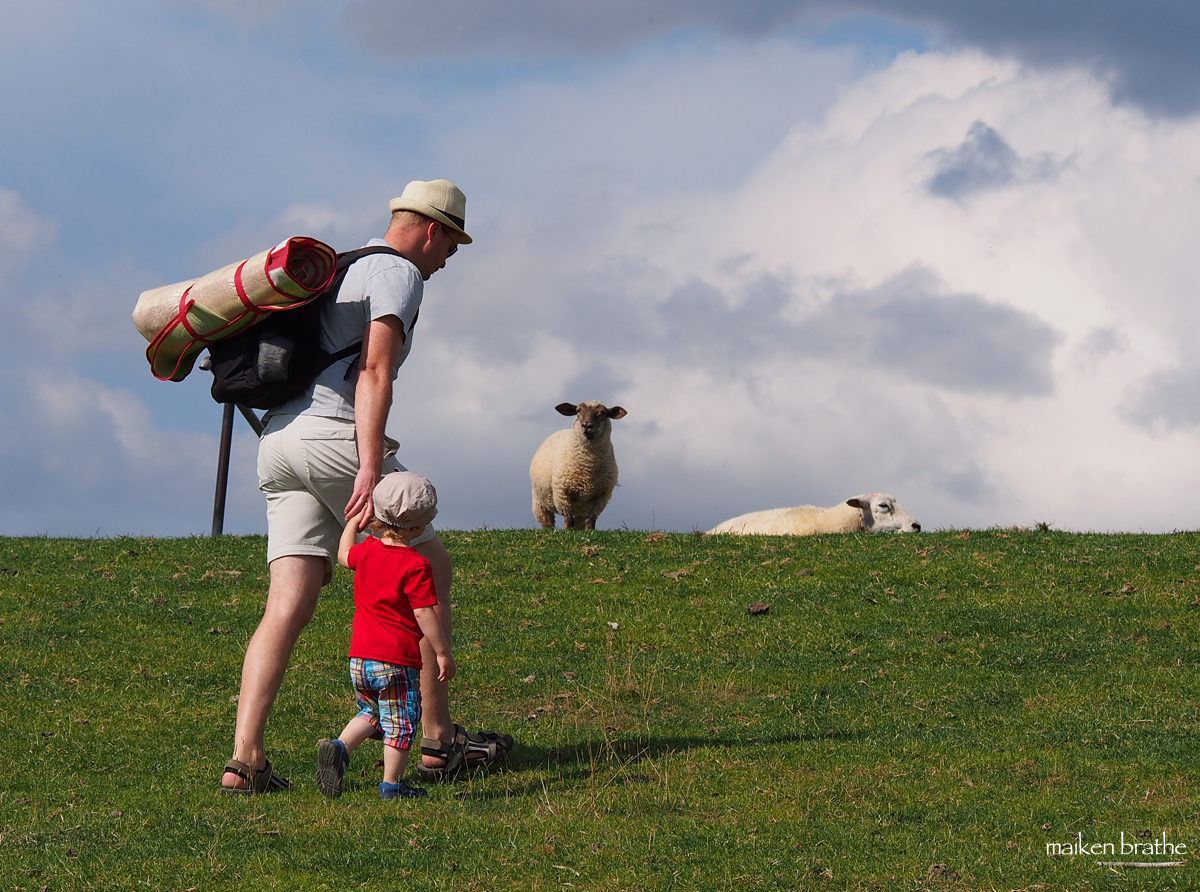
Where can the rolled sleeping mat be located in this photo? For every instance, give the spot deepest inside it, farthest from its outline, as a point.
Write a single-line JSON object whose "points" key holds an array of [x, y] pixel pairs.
{"points": [[180, 320]]}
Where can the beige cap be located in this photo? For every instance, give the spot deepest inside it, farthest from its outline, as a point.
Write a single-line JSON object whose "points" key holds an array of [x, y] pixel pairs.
{"points": [[439, 200], [404, 499]]}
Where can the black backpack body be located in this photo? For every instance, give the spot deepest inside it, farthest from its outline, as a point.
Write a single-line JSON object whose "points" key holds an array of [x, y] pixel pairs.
{"points": [[277, 358]]}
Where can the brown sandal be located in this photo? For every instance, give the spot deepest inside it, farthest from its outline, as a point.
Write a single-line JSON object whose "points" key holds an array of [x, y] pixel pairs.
{"points": [[466, 750], [262, 780]]}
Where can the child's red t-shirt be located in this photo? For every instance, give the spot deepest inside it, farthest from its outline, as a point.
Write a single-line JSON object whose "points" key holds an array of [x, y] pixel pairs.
{"points": [[389, 581]]}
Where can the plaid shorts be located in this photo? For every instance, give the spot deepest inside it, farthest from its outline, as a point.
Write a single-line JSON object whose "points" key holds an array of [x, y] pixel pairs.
{"points": [[389, 697]]}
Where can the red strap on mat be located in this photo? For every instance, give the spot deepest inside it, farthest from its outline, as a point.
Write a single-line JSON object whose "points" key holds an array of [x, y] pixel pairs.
{"points": [[181, 318], [152, 350], [268, 266], [241, 289]]}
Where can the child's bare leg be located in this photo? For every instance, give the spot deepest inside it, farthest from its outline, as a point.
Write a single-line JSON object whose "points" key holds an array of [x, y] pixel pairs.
{"points": [[356, 731], [394, 760]]}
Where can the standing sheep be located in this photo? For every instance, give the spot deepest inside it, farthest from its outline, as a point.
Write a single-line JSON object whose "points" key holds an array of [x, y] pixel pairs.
{"points": [[574, 471], [874, 513]]}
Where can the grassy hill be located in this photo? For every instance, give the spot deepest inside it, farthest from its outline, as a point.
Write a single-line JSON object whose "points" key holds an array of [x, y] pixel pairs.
{"points": [[924, 711]]}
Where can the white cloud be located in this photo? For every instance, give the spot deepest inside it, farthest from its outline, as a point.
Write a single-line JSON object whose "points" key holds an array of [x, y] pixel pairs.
{"points": [[664, 301], [78, 458], [79, 314], [21, 231]]}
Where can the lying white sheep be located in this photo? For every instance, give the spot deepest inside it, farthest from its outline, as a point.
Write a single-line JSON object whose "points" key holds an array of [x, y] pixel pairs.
{"points": [[574, 471], [876, 513]]}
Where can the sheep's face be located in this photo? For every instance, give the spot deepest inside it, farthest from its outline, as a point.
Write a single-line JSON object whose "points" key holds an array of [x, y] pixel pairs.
{"points": [[592, 419], [883, 514]]}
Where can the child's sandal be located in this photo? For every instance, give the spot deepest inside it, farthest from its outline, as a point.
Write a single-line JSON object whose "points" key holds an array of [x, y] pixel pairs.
{"points": [[400, 790]]}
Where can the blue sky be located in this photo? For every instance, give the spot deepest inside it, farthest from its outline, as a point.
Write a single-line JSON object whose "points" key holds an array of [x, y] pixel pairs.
{"points": [[936, 249]]}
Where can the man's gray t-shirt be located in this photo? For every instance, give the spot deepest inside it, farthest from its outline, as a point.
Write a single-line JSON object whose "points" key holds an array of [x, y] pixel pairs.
{"points": [[375, 286]]}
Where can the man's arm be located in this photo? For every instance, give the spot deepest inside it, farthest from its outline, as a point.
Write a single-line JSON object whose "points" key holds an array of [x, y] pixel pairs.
{"points": [[382, 341]]}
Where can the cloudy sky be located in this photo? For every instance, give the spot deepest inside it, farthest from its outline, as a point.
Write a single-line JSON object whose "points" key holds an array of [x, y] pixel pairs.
{"points": [[938, 248]]}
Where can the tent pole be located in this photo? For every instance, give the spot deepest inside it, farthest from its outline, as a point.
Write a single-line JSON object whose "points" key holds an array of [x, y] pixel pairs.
{"points": [[218, 523]]}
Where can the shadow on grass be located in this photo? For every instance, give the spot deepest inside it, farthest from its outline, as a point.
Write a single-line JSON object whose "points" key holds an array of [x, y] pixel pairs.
{"points": [[588, 758]]}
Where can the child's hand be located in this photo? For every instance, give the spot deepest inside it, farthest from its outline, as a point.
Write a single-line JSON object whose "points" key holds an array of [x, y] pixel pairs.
{"points": [[446, 667], [349, 537]]}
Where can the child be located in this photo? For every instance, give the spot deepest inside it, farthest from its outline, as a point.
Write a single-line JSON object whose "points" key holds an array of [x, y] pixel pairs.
{"points": [[393, 607]]}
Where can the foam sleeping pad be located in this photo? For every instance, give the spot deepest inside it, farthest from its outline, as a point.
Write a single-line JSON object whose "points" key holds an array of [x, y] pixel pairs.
{"points": [[180, 320]]}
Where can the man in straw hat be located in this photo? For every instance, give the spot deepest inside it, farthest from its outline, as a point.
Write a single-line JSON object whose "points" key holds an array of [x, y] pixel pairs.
{"points": [[320, 458]]}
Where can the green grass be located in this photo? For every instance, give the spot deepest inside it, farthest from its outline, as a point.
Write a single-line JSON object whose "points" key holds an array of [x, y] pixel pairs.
{"points": [[915, 712]]}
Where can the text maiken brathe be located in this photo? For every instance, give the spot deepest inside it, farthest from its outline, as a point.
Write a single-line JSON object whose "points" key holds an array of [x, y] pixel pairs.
{"points": [[1158, 846]]}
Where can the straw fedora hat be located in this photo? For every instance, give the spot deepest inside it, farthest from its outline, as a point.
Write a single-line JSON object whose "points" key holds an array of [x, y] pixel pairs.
{"points": [[439, 200]]}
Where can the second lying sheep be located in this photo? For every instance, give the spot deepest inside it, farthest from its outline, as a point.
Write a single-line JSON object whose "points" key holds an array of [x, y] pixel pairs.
{"points": [[874, 513], [574, 471]]}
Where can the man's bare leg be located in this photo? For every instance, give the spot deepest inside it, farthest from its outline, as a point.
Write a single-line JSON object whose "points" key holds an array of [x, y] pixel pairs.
{"points": [[291, 599], [435, 695]]}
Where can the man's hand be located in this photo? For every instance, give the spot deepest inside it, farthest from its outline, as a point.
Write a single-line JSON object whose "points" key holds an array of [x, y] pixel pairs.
{"points": [[362, 499]]}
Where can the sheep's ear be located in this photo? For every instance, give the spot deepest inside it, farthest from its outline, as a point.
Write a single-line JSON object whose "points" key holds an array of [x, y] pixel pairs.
{"points": [[617, 412], [566, 408], [863, 503]]}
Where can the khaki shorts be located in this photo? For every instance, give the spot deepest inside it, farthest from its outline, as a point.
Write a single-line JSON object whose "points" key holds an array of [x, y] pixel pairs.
{"points": [[306, 469]]}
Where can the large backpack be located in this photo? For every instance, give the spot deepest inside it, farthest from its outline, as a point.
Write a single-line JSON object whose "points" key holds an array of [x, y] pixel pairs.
{"points": [[276, 359]]}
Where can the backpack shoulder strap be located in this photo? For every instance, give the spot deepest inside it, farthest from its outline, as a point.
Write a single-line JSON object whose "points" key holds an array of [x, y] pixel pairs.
{"points": [[348, 257], [344, 260]]}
